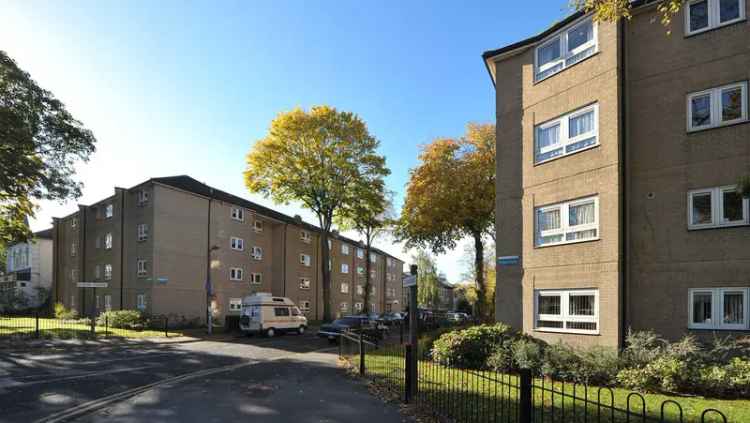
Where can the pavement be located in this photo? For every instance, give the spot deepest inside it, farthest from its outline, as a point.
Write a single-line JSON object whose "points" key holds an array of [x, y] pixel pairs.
{"points": [[286, 379]]}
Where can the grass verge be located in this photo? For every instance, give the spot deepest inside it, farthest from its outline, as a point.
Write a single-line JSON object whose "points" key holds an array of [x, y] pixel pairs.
{"points": [[58, 328]]}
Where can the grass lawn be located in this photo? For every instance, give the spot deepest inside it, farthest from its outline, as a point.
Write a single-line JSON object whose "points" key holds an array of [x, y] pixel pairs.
{"points": [[480, 396], [58, 328]]}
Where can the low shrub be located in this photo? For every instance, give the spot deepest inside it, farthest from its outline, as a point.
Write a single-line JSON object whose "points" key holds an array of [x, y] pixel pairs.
{"points": [[472, 347], [64, 313], [729, 380], [526, 354], [122, 319]]}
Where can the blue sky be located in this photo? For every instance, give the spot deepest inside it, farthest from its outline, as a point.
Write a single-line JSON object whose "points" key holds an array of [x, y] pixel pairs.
{"points": [[186, 87]]}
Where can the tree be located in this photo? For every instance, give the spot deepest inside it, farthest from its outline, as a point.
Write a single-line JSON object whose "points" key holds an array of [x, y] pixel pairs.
{"points": [[370, 216], [3, 256], [466, 297], [614, 10], [40, 142], [451, 195], [428, 294], [323, 158], [469, 277]]}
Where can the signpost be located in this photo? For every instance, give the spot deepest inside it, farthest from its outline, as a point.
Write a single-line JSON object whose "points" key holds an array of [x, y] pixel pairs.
{"points": [[411, 348]]}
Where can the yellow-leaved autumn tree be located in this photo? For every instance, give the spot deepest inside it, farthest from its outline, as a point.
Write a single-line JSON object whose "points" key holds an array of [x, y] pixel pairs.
{"points": [[451, 195], [323, 158]]}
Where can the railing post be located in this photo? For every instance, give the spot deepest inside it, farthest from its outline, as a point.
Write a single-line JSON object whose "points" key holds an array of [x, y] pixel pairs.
{"points": [[361, 355], [407, 374], [166, 327], [93, 327], [524, 400], [106, 326], [36, 330], [401, 332]]}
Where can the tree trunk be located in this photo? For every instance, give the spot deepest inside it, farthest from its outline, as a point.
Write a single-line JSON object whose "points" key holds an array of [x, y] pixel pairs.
{"points": [[479, 269], [325, 255], [368, 265]]}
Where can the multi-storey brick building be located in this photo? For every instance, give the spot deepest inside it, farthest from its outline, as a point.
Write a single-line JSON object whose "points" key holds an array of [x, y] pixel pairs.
{"points": [[153, 243], [619, 147]]}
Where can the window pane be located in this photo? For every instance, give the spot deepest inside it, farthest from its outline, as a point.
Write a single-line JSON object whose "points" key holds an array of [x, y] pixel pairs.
{"points": [[548, 137], [581, 235], [731, 104], [734, 308], [581, 124], [549, 324], [701, 208], [549, 53], [732, 204], [701, 110], [702, 307], [550, 239], [580, 35], [549, 304], [581, 305], [729, 10], [698, 15], [580, 144], [581, 214], [581, 325], [549, 220]]}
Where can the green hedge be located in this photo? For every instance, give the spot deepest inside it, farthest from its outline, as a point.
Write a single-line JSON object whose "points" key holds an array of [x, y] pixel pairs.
{"points": [[648, 363], [122, 319]]}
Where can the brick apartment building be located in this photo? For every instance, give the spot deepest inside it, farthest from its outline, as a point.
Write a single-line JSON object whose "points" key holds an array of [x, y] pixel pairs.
{"points": [[152, 244], [619, 147]]}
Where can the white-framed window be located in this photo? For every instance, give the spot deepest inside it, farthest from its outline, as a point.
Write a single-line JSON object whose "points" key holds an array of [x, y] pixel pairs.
{"points": [[109, 211], [304, 283], [98, 242], [74, 275], [97, 272], [330, 245], [703, 15], [570, 310], [344, 249], [373, 273], [391, 292], [257, 253], [373, 258], [305, 259], [98, 302], [717, 107], [237, 244], [304, 305], [360, 270], [236, 273], [360, 290], [238, 214], [305, 236], [256, 278], [717, 207], [373, 291], [142, 197], [108, 241], [258, 225], [344, 287], [358, 307], [719, 308], [568, 134], [389, 262], [74, 222], [142, 231], [107, 302], [142, 267], [565, 48], [344, 268], [73, 249], [569, 222], [344, 307], [235, 304], [107, 272], [141, 302], [360, 253]]}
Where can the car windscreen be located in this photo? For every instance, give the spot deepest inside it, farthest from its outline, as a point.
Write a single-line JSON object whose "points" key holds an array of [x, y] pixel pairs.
{"points": [[347, 322]]}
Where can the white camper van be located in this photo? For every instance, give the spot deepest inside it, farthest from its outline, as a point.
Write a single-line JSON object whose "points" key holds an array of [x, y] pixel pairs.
{"points": [[269, 315]]}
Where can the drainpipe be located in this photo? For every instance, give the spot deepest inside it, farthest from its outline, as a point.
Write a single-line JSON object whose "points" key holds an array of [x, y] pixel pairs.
{"points": [[122, 248]]}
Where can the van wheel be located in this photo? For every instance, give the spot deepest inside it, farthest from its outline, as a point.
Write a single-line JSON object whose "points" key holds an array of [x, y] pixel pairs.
{"points": [[270, 332], [301, 330]]}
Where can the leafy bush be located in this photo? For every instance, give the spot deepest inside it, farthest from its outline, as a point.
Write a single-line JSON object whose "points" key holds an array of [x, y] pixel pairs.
{"points": [[730, 380], [472, 347], [121, 319], [560, 362], [599, 365], [63, 313], [643, 347], [526, 354]]}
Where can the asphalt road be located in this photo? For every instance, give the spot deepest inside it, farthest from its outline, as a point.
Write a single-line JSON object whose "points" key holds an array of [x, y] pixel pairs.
{"points": [[286, 379]]}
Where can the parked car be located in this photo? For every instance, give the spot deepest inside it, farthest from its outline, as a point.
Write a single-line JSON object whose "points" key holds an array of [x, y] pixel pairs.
{"points": [[333, 330], [269, 315], [391, 319], [457, 317]]}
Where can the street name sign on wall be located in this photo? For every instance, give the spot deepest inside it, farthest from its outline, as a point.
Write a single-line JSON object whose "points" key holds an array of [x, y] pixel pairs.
{"points": [[508, 260], [92, 284]]}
